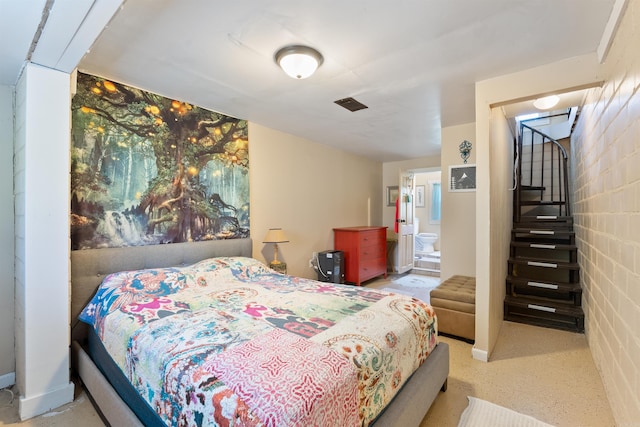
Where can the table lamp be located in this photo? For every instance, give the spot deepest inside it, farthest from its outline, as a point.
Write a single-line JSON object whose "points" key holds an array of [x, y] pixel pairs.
{"points": [[275, 236]]}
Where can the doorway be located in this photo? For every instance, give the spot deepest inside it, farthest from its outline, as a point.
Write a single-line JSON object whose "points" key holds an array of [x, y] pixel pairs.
{"points": [[427, 235]]}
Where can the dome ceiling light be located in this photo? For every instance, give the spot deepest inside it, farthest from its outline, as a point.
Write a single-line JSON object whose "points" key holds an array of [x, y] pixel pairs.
{"points": [[298, 61], [546, 102]]}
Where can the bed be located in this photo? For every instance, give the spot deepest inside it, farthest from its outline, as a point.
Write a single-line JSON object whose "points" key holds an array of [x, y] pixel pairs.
{"points": [[224, 270]]}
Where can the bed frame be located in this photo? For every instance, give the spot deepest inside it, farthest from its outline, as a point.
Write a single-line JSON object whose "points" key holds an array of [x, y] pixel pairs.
{"points": [[90, 266]]}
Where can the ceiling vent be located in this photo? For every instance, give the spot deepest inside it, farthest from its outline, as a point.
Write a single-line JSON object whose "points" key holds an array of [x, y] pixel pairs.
{"points": [[350, 104]]}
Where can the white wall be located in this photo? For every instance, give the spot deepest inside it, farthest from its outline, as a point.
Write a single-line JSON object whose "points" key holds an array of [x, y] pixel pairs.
{"points": [[41, 168], [527, 84], [502, 152], [7, 356], [458, 227], [606, 199], [307, 189]]}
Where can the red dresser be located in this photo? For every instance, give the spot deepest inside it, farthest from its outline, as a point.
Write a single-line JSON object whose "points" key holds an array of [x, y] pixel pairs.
{"points": [[365, 252]]}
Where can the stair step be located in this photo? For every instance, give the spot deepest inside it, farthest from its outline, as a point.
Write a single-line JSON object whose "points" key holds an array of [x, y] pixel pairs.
{"points": [[532, 188], [544, 249], [535, 311], [543, 305], [543, 235], [552, 223], [542, 202], [545, 218], [549, 246], [548, 284], [549, 291], [543, 231], [545, 263], [567, 240]]}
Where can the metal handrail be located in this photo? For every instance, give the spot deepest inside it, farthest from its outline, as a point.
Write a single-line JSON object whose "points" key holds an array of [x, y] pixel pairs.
{"points": [[556, 165]]}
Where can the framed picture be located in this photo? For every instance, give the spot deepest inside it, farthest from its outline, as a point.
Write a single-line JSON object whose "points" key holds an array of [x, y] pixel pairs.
{"points": [[462, 178], [419, 196], [392, 195]]}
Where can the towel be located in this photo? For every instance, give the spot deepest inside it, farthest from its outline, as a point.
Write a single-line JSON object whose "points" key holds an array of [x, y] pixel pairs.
{"points": [[395, 225]]}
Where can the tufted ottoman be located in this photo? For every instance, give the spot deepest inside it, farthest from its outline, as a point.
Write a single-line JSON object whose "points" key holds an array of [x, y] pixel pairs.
{"points": [[454, 301]]}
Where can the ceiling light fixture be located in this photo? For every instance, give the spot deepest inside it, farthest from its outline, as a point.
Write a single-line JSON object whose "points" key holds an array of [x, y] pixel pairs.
{"points": [[298, 61], [546, 102]]}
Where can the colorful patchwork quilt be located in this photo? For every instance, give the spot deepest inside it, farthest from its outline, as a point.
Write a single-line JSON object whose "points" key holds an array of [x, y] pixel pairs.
{"points": [[229, 342]]}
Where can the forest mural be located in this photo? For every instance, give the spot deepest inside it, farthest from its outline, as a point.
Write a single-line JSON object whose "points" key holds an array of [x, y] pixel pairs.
{"points": [[146, 169]]}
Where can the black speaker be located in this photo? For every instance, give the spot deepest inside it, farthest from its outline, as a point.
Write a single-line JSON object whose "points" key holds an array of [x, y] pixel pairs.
{"points": [[331, 266]]}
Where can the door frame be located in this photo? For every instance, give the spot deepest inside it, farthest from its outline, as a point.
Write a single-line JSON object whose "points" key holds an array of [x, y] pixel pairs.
{"points": [[415, 171]]}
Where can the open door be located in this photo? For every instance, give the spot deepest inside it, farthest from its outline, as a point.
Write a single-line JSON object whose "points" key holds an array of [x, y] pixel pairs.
{"points": [[405, 221]]}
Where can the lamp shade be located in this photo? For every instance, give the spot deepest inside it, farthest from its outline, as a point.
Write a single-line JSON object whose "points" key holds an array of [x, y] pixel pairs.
{"points": [[298, 62], [275, 235]]}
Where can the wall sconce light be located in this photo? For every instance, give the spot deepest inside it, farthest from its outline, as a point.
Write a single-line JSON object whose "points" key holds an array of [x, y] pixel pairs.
{"points": [[298, 61], [275, 236], [546, 102]]}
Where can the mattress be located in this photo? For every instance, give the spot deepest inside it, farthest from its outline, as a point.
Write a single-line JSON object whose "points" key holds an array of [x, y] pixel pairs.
{"points": [[229, 341]]}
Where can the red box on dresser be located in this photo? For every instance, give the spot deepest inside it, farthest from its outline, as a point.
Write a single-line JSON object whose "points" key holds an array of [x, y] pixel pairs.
{"points": [[365, 252]]}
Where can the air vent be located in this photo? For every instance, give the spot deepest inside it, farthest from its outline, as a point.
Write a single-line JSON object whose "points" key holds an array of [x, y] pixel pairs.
{"points": [[350, 104]]}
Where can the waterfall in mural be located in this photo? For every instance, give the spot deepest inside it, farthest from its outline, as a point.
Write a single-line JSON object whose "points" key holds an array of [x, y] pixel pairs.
{"points": [[124, 229], [148, 169]]}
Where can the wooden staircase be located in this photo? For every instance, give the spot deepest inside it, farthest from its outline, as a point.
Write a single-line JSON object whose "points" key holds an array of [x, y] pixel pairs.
{"points": [[543, 281]]}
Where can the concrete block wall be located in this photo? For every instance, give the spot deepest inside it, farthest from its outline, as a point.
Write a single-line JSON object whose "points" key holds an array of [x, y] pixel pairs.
{"points": [[606, 182]]}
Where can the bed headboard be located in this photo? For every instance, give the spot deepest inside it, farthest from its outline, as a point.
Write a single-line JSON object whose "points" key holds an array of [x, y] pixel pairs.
{"points": [[90, 266]]}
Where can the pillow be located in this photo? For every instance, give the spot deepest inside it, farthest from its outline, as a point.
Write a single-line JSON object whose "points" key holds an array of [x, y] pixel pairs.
{"points": [[130, 287], [237, 266]]}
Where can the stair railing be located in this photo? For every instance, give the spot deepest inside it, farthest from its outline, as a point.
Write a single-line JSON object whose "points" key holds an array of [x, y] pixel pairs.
{"points": [[541, 167]]}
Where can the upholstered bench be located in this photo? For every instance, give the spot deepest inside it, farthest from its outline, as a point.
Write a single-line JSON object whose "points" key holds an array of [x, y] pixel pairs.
{"points": [[454, 301]]}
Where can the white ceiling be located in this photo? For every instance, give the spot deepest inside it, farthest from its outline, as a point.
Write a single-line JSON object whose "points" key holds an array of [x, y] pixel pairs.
{"points": [[412, 62]]}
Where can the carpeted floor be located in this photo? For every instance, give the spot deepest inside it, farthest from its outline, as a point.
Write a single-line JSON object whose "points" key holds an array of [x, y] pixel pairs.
{"points": [[544, 373], [416, 285]]}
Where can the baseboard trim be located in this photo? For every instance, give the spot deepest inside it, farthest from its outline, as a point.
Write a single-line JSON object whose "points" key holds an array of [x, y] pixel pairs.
{"points": [[480, 355], [37, 405], [7, 380]]}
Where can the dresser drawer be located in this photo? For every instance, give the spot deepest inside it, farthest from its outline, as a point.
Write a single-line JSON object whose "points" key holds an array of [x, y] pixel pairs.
{"points": [[365, 252], [372, 267], [372, 251], [369, 238]]}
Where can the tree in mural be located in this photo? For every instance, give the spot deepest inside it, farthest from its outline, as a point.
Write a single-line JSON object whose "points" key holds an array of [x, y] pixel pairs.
{"points": [[126, 139]]}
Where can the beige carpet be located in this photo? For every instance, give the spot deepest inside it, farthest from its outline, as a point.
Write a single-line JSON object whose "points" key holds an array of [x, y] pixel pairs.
{"points": [[481, 413], [416, 285]]}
